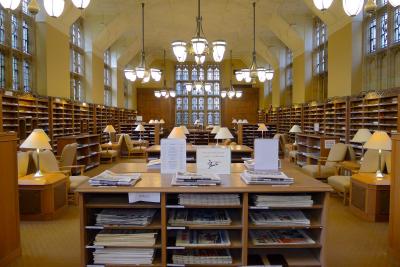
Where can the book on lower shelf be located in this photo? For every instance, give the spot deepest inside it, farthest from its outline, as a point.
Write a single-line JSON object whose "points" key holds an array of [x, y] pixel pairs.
{"points": [[283, 200], [125, 238], [202, 256], [195, 179], [125, 217], [196, 238], [129, 256], [280, 237], [209, 199], [278, 217], [181, 217]]}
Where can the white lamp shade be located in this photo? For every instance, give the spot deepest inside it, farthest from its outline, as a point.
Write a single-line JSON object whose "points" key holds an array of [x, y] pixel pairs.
{"points": [[10, 4], [146, 77], [322, 4], [172, 93], [130, 75], [239, 76], [231, 94], [54, 8], [180, 50], [163, 92], [234, 121], [81, 4], [215, 129], [140, 72], [269, 74], [353, 7], [207, 87], [295, 129], [262, 128], [109, 129], [155, 74], [247, 79], [38, 139], [224, 133], [140, 128], [362, 136], [156, 121], [185, 130], [151, 122], [198, 85], [189, 87], [239, 94], [157, 94], [199, 45], [240, 121], [218, 50], [223, 94], [379, 140], [394, 3], [177, 133], [262, 74], [162, 121], [245, 121]]}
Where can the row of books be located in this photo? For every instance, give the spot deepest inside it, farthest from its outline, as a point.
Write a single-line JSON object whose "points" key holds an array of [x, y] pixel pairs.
{"points": [[196, 238], [125, 238], [181, 217], [137, 217], [282, 200], [114, 256], [202, 256], [195, 179], [209, 199], [266, 177], [109, 178], [280, 237], [278, 217]]}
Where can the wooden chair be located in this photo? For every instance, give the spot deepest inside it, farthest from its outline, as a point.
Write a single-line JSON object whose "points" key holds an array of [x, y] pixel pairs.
{"points": [[282, 143], [131, 148], [109, 154]]}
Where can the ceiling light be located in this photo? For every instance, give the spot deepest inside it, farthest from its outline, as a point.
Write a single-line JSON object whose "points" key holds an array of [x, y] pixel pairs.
{"points": [[54, 8], [239, 94], [198, 85], [166, 95], [394, 3], [269, 74], [231, 94], [262, 74], [188, 86], [223, 94], [247, 79], [163, 93], [10, 4], [155, 74], [130, 75], [81, 4], [146, 77], [140, 72], [172, 93], [353, 7], [157, 94], [199, 45], [322, 4], [180, 51], [239, 76], [218, 50], [207, 87]]}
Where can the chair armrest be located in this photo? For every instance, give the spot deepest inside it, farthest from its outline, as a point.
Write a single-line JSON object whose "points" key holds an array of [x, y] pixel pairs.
{"points": [[80, 167]]}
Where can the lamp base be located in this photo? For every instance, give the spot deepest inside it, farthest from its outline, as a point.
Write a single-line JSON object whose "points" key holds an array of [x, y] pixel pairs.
{"points": [[110, 143], [38, 174], [295, 143], [379, 174]]}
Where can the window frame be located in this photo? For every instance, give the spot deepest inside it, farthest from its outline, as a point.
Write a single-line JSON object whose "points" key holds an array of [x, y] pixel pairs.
{"points": [[77, 60]]}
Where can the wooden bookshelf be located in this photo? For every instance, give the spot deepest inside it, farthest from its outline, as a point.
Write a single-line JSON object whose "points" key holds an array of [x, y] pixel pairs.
{"points": [[200, 137], [313, 113], [285, 117], [336, 114], [94, 199], [261, 116], [312, 147], [151, 133], [246, 134]]}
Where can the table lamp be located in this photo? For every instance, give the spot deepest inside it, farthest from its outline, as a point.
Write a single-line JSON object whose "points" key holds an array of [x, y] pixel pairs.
{"points": [[151, 122], [177, 133], [262, 128], [185, 130], [156, 122], [140, 128], [380, 140], [215, 129], [109, 129], [295, 129], [38, 140], [245, 121], [162, 121], [361, 137], [240, 121], [223, 134]]}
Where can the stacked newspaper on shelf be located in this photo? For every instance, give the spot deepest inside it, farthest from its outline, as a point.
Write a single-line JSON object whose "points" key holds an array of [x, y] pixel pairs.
{"points": [[266, 177], [181, 217], [209, 199], [119, 256], [196, 238], [154, 164], [125, 238], [283, 200], [249, 164], [109, 178], [279, 237], [195, 179], [140, 217], [202, 256], [278, 217]]}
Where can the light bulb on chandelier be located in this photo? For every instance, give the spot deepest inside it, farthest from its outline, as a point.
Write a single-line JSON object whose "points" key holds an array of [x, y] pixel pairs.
{"points": [[10, 4]]}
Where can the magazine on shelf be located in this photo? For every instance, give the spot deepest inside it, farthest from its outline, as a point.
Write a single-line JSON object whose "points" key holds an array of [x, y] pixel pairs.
{"points": [[209, 199], [141, 217], [280, 237], [195, 179], [131, 256], [278, 217], [109, 178], [266, 177], [202, 256], [195, 238], [283, 200], [181, 217], [124, 238]]}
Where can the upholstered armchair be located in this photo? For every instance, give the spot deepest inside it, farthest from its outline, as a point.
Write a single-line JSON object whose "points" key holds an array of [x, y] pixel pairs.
{"points": [[282, 143], [133, 148]]}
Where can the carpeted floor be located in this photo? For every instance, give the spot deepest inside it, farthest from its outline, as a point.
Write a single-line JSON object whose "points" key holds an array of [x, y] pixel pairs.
{"points": [[351, 242]]}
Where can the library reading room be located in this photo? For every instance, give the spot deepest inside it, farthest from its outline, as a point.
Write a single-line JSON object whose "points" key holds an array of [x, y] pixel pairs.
{"points": [[155, 133]]}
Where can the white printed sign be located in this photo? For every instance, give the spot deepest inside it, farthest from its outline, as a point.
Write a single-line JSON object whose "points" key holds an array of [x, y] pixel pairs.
{"points": [[266, 154], [215, 160], [173, 155]]}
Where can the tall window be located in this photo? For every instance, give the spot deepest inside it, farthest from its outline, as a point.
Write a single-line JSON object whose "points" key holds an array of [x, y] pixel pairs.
{"points": [[16, 46], [198, 104], [107, 78], [382, 43], [320, 61], [77, 61], [288, 77]]}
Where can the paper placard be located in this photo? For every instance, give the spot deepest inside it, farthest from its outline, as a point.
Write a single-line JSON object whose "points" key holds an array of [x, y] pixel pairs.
{"points": [[215, 160], [266, 154], [145, 197], [139, 118], [173, 155], [329, 143], [316, 127], [8, 93]]}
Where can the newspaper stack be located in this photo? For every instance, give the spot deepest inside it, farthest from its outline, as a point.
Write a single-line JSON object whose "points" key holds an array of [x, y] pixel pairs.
{"points": [[280, 237], [154, 164], [195, 179], [249, 164], [119, 256], [181, 217], [266, 177], [202, 256], [140, 217], [209, 199], [278, 217], [196, 238], [125, 238], [109, 178], [283, 200]]}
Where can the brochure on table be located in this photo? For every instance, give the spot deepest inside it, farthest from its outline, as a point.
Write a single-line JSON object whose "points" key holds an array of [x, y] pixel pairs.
{"points": [[266, 154], [213, 160], [173, 155]]}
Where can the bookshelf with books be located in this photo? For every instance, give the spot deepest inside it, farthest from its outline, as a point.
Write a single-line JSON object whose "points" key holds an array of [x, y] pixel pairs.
{"points": [[246, 133], [261, 116], [199, 137], [313, 147], [336, 118], [9, 112], [313, 114], [151, 133], [43, 110], [285, 117], [273, 115], [206, 226]]}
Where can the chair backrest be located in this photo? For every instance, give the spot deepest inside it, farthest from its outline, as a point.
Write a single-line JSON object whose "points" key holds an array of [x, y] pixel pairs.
{"points": [[336, 154], [68, 155], [351, 154], [120, 138], [370, 161], [23, 163], [48, 162], [128, 140], [388, 161]]}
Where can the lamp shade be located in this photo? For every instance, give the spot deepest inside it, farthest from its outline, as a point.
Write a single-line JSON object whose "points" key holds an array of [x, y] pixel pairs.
{"points": [[156, 122], [234, 121], [215, 129], [262, 128], [38, 139], [295, 129], [10, 4], [177, 133], [362, 136], [322, 4], [245, 121], [394, 3], [224, 133], [54, 8], [353, 7], [81, 4], [109, 129], [140, 128], [151, 122], [379, 140], [162, 121], [185, 130]]}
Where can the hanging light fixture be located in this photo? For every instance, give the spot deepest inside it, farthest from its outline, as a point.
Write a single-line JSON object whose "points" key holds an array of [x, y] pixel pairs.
{"points": [[269, 74], [198, 44], [172, 93], [165, 92], [322, 4], [224, 94], [54, 8], [33, 7], [231, 92], [10, 4], [394, 3], [353, 7], [81, 4], [141, 72], [157, 94]]}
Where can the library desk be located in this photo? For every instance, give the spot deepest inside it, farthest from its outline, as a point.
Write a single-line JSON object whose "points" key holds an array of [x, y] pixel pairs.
{"points": [[238, 152], [42, 198], [370, 197], [92, 199]]}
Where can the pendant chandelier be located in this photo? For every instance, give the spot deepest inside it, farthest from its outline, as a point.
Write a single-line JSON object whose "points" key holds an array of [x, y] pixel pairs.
{"points": [[141, 71], [197, 86], [199, 46], [165, 92], [231, 92], [353, 7], [254, 72]]}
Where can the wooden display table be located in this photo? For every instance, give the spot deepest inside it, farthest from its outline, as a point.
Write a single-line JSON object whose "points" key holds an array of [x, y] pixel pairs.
{"points": [[369, 197], [42, 198], [92, 199]]}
